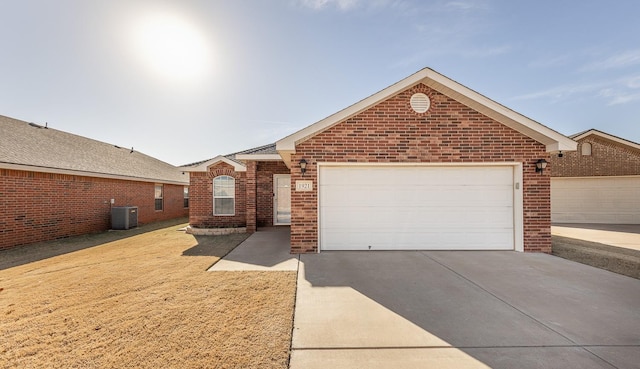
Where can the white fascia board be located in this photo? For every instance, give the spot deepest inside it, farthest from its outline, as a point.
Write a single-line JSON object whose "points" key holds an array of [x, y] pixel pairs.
{"points": [[259, 157], [204, 167], [34, 168], [552, 140], [286, 157], [608, 137], [288, 143]]}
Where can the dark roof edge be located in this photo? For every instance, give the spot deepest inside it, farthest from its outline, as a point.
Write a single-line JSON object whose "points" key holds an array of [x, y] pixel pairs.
{"points": [[37, 168], [603, 134]]}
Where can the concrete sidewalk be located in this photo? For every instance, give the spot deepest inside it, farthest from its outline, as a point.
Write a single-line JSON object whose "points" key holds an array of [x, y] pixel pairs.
{"points": [[619, 235], [462, 310], [265, 250]]}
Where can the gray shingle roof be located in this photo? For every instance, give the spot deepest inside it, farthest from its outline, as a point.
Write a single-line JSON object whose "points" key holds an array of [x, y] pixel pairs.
{"points": [[28, 144], [260, 150]]}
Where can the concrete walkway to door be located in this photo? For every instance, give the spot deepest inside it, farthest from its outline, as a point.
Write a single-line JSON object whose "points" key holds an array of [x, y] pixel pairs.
{"points": [[265, 250], [462, 310]]}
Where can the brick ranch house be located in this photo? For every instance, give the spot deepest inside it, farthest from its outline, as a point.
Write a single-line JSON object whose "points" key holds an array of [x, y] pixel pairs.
{"points": [[598, 183], [426, 163], [55, 184]]}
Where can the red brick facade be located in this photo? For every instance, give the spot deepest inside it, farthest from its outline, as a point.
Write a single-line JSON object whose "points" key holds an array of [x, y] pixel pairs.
{"points": [[37, 206], [254, 196], [449, 132], [201, 197], [608, 158]]}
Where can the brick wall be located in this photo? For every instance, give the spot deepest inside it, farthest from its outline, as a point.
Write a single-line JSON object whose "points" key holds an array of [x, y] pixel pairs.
{"points": [[201, 199], [38, 206], [391, 132], [254, 196], [608, 158], [264, 201]]}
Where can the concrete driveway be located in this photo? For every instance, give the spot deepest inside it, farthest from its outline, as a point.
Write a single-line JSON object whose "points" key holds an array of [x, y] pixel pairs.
{"points": [[462, 310], [619, 235]]}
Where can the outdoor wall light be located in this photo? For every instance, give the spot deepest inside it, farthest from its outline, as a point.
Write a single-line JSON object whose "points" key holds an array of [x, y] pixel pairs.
{"points": [[303, 166], [540, 165]]}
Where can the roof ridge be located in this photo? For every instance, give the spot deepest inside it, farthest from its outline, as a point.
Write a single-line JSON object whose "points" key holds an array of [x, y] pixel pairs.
{"points": [[605, 135], [232, 156]]}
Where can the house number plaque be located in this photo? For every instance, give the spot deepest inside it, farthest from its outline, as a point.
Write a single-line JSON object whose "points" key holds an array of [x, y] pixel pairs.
{"points": [[304, 185]]}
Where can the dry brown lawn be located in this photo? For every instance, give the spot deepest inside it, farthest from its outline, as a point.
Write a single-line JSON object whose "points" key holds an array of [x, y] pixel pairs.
{"points": [[144, 301]]}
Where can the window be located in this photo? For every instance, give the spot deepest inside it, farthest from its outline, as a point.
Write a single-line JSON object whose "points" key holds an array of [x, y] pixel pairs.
{"points": [[224, 194], [586, 149], [159, 196], [186, 197]]}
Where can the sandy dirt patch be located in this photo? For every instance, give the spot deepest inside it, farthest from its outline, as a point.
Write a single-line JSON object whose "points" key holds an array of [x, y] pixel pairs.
{"points": [[143, 301]]}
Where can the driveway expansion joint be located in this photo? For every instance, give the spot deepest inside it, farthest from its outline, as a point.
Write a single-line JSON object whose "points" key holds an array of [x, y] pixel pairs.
{"points": [[500, 299]]}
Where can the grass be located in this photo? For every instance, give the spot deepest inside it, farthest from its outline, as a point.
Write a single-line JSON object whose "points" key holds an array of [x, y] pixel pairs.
{"points": [[144, 301]]}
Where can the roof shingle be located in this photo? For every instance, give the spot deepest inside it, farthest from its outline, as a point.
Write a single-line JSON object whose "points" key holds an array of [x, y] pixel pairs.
{"points": [[29, 144]]}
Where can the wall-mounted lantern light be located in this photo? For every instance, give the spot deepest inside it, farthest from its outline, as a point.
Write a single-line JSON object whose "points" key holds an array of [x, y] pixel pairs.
{"points": [[303, 166], [540, 165]]}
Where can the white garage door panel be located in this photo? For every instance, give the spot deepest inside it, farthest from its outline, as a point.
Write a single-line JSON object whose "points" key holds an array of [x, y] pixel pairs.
{"points": [[411, 208], [612, 200], [443, 176], [385, 217], [408, 239], [395, 195]]}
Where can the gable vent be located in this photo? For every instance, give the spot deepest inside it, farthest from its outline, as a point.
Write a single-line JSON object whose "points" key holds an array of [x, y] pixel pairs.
{"points": [[420, 102]]}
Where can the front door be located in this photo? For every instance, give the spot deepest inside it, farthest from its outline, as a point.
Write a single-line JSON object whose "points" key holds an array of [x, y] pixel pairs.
{"points": [[281, 199]]}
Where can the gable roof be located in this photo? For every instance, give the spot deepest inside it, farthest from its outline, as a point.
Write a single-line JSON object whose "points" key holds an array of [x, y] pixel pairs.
{"points": [[203, 166], [553, 140], [31, 147], [265, 152], [595, 132]]}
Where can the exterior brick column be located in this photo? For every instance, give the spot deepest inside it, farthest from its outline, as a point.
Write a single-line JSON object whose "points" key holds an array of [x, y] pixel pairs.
{"points": [[251, 196]]}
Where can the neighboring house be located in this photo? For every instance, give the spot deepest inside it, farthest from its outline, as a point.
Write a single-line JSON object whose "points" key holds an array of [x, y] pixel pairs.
{"points": [[598, 183], [55, 184], [424, 164]]}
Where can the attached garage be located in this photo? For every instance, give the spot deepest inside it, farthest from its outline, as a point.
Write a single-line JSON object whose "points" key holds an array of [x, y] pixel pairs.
{"points": [[598, 183], [425, 164], [418, 207], [610, 200]]}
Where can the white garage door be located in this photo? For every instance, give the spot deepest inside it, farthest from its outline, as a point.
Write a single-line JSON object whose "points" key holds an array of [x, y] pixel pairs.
{"points": [[416, 208], [612, 200]]}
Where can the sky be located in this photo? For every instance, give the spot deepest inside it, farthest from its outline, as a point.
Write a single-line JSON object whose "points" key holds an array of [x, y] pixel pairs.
{"points": [[188, 80]]}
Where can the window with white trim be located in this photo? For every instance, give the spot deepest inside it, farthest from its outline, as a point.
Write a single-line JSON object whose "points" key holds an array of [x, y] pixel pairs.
{"points": [[224, 195], [186, 196], [586, 149], [159, 197]]}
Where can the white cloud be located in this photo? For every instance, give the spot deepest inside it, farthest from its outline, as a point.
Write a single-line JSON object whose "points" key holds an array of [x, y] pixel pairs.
{"points": [[621, 60], [402, 6], [613, 92], [466, 5], [632, 82], [615, 97], [321, 4], [624, 91], [562, 92]]}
